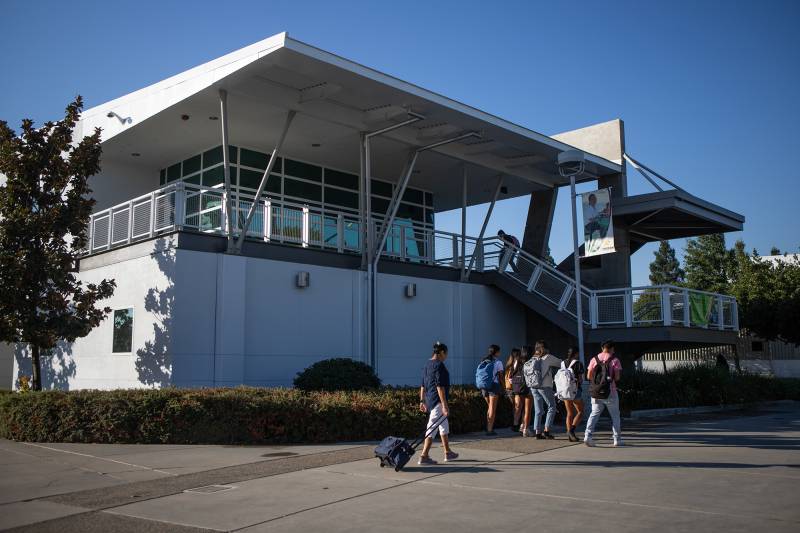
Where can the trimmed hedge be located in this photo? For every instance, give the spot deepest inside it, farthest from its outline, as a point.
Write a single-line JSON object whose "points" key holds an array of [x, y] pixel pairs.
{"points": [[260, 416], [339, 374], [229, 415], [701, 385]]}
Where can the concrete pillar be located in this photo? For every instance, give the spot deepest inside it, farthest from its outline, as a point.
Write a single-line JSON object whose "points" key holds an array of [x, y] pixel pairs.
{"points": [[540, 219]]}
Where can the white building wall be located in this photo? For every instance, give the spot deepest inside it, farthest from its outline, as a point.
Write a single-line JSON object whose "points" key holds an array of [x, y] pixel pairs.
{"points": [[118, 182], [205, 319]]}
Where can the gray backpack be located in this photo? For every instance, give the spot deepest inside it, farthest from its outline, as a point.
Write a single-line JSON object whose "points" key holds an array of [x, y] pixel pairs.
{"points": [[534, 377]]}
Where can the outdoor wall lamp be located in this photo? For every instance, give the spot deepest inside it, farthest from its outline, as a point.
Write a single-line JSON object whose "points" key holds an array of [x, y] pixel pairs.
{"points": [[411, 290], [302, 280]]}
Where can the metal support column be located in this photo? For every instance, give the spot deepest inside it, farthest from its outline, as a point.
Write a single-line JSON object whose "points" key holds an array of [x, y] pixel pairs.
{"points": [[263, 183], [577, 258], [223, 112], [479, 243], [463, 264]]}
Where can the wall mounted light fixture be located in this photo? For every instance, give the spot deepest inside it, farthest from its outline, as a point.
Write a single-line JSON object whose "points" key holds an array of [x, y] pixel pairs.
{"points": [[302, 280]]}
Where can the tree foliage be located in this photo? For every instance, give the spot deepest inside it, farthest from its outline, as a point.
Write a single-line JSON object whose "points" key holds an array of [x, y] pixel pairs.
{"points": [[665, 268], [707, 263], [767, 293], [45, 207]]}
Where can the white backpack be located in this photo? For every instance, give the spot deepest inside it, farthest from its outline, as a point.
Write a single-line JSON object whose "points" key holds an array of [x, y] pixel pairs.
{"points": [[566, 384]]}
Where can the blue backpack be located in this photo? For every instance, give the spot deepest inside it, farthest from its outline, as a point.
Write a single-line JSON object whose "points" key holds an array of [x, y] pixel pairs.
{"points": [[484, 375]]}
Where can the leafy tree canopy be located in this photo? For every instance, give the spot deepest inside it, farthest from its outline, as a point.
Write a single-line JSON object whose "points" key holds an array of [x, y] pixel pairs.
{"points": [[665, 268]]}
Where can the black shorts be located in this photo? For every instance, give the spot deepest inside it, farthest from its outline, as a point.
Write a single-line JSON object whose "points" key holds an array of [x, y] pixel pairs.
{"points": [[494, 390]]}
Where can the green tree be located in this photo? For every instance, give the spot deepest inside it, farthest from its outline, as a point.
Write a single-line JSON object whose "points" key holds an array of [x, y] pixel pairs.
{"points": [[707, 263], [665, 268], [767, 293], [45, 207], [548, 257]]}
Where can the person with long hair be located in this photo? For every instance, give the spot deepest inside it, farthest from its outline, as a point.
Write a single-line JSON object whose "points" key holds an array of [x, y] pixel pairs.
{"points": [[524, 392], [514, 368], [543, 394], [574, 407], [492, 393], [433, 396]]}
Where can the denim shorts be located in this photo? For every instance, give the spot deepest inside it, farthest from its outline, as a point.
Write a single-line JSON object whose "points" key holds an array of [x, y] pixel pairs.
{"points": [[494, 390]]}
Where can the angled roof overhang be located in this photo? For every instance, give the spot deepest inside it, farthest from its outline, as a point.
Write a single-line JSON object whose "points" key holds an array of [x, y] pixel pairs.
{"points": [[335, 99], [672, 214]]}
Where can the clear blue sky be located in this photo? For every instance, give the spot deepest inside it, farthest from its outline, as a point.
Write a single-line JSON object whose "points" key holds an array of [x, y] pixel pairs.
{"points": [[708, 90]]}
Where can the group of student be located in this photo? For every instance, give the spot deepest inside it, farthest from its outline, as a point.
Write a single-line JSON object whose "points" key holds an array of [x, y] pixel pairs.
{"points": [[533, 380]]}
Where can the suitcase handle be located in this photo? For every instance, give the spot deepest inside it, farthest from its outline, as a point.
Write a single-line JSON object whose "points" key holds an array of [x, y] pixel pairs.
{"points": [[429, 431]]}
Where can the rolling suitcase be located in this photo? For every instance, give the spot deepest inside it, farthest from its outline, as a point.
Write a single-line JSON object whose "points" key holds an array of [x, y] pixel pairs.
{"points": [[397, 451]]}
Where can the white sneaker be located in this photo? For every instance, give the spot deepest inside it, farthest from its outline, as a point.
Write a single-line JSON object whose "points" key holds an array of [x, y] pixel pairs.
{"points": [[618, 443], [525, 432], [588, 441]]}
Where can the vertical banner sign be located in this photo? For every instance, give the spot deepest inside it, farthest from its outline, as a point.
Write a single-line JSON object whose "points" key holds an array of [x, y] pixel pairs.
{"points": [[598, 229]]}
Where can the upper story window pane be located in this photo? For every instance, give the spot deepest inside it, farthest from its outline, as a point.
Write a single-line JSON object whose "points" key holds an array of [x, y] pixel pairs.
{"points": [[341, 179], [302, 170], [214, 156], [302, 190], [382, 188], [337, 197], [252, 179], [413, 196], [191, 165], [122, 341], [174, 172], [254, 159]]}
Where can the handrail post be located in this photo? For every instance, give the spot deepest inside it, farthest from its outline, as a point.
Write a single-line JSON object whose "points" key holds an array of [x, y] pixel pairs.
{"points": [[130, 223], [110, 227], [628, 308], [687, 321], [403, 242], [152, 214], [340, 232], [455, 260], [431, 251], [666, 306], [565, 296], [537, 273], [479, 258], [267, 220], [305, 232], [593, 310], [180, 206]]}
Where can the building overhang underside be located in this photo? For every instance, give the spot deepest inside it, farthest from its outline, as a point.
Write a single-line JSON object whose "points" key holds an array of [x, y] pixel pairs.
{"points": [[672, 214], [335, 100]]}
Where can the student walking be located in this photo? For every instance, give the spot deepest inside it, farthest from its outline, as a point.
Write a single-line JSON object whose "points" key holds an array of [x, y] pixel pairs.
{"points": [[539, 377], [513, 366], [604, 372], [487, 378], [522, 391], [573, 370], [433, 396]]}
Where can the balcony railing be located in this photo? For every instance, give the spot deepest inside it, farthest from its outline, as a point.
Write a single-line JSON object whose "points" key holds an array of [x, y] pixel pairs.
{"points": [[182, 206]]}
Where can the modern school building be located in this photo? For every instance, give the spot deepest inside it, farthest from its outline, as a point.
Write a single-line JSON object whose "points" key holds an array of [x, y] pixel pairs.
{"points": [[277, 206]]}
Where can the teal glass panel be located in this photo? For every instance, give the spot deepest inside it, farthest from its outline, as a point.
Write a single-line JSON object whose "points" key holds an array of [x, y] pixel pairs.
{"points": [[302, 190], [341, 179], [302, 170], [341, 198], [174, 172], [382, 188], [254, 159], [191, 165]]}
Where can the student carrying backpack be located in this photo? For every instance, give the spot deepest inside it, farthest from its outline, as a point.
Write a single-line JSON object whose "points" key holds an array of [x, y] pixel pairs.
{"points": [[484, 374], [566, 384], [532, 371], [539, 377], [487, 379], [604, 371], [569, 388]]}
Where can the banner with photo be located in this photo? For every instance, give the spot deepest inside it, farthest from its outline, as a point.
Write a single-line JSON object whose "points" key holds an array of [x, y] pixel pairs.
{"points": [[598, 229]]}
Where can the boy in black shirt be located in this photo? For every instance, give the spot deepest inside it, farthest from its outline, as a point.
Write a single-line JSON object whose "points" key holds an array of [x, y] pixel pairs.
{"points": [[433, 395]]}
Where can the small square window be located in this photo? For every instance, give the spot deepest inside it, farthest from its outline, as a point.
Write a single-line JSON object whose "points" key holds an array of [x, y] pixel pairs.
{"points": [[123, 331]]}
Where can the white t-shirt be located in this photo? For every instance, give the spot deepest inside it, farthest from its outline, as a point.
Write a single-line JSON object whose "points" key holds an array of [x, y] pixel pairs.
{"points": [[497, 370]]}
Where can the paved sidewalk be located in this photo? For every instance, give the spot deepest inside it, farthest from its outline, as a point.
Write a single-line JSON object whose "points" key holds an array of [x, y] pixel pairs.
{"points": [[736, 472]]}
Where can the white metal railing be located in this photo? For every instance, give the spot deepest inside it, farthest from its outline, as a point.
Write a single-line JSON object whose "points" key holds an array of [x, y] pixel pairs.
{"points": [[183, 206]]}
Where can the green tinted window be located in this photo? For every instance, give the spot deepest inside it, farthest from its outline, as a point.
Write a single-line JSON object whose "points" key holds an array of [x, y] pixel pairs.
{"points": [[194, 179], [191, 165], [413, 195], [382, 188], [249, 178], [213, 177], [428, 199], [302, 170], [162, 176], [339, 197], [341, 179], [379, 205], [214, 156], [429, 216], [302, 190], [174, 172], [254, 159], [410, 211]]}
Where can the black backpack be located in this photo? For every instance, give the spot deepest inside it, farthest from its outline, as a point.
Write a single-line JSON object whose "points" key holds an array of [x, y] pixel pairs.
{"points": [[600, 387]]}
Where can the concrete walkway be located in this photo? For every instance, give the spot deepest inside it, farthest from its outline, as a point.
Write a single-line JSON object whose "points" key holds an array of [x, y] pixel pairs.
{"points": [[731, 471]]}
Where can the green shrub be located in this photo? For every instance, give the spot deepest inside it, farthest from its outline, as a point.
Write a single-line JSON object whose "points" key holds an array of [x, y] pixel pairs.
{"points": [[341, 374], [701, 385], [230, 415]]}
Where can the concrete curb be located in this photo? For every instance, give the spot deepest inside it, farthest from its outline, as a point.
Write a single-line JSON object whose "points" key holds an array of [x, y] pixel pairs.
{"points": [[658, 413]]}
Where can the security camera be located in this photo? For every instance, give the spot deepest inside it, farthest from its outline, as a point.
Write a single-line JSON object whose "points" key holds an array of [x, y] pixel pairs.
{"points": [[570, 162]]}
